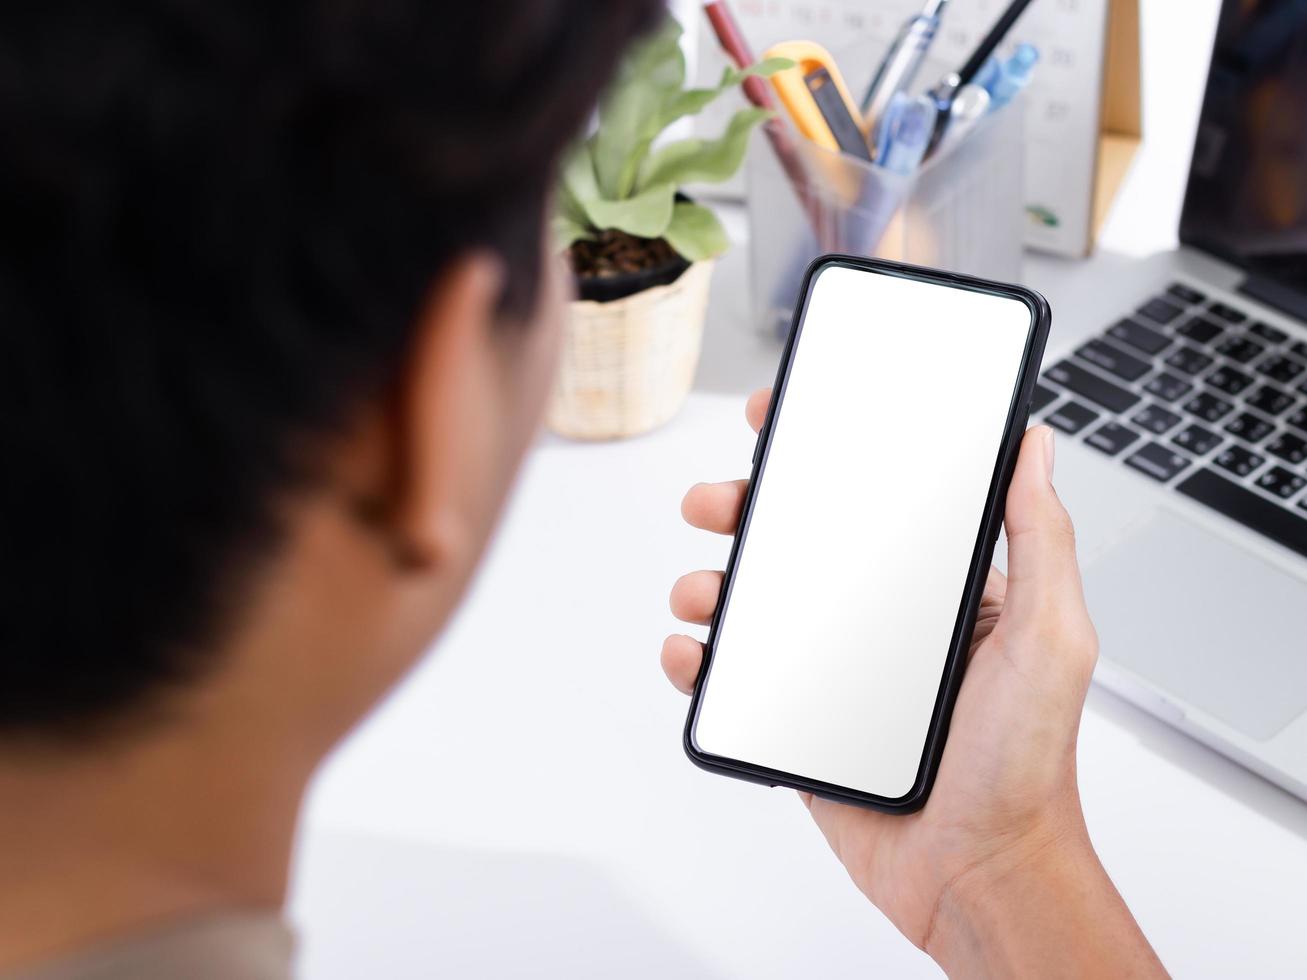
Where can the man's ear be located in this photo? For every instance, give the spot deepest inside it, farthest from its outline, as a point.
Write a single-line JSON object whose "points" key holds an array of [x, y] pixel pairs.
{"points": [[446, 414]]}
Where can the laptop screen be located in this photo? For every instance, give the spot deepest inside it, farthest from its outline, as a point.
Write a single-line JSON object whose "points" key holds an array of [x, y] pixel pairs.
{"points": [[1247, 195]]}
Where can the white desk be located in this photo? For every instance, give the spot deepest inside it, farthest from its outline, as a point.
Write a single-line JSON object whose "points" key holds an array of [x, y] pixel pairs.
{"points": [[522, 807]]}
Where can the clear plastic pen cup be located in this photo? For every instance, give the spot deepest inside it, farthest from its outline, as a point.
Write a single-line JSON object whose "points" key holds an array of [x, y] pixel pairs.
{"points": [[962, 210]]}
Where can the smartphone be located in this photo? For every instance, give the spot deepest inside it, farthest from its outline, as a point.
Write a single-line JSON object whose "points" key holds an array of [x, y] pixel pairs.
{"points": [[877, 494]]}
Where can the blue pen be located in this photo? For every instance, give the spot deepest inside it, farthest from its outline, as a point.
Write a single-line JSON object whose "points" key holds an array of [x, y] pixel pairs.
{"points": [[988, 73], [901, 62], [905, 133], [1012, 76]]}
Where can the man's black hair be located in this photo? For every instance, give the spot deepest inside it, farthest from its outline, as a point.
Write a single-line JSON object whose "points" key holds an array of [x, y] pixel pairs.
{"points": [[218, 222]]}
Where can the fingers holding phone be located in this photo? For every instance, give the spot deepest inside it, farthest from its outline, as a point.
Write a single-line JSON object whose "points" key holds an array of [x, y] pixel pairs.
{"points": [[709, 507]]}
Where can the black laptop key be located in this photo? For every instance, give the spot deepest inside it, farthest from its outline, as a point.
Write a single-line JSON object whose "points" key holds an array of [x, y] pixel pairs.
{"points": [[1246, 507], [1288, 447], [1186, 294], [1269, 400], [1298, 419], [1281, 482], [1188, 360], [1168, 387], [1070, 417], [1137, 335], [1239, 461], [1158, 462], [1041, 398], [1249, 427], [1239, 349], [1160, 310], [1113, 360], [1196, 439], [1111, 438], [1229, 380], [1156, 419], [1227, 313], [1281, 369], [1089, 385], [1200, 331], [1268, 333], [1208, 407]]}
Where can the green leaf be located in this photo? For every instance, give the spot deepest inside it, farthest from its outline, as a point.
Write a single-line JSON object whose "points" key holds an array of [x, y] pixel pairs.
{"points": [[646, 215], [767, 67], [576, 185], [568, 207], [695, 232], [712, 161], [566, 231], [695, 100], [578, 176], [762, 69], [687, 103], [630, 113]]}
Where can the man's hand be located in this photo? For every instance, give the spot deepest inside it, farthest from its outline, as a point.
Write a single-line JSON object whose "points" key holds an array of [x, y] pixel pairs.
{"points": [[1005, 805]]}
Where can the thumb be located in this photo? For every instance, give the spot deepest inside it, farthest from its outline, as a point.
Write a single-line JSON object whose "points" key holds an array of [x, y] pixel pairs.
{"points": [[1042, 572]]}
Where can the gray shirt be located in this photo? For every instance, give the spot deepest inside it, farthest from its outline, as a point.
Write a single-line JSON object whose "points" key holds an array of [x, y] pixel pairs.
{"points": [[228, 947]]}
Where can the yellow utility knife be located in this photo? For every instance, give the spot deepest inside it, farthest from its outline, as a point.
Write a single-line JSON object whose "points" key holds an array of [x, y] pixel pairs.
{"points": [[814, 94]]}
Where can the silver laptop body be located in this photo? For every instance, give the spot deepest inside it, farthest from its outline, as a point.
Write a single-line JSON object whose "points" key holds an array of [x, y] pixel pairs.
{"points": [[1179, 384]]}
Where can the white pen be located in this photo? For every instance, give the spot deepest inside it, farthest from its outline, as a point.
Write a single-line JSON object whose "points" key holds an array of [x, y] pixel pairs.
{"points": [[901, 62]]}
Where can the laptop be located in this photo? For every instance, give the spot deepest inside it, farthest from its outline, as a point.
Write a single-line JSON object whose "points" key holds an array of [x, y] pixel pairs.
{"points": [[1181, 399]]}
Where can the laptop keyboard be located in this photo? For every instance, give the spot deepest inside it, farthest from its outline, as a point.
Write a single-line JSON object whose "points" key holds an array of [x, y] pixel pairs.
{"points": [[1200, 396]]}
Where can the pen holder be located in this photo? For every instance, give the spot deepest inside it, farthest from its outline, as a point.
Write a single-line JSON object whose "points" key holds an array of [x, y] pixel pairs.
{"points": [[962, 211]]}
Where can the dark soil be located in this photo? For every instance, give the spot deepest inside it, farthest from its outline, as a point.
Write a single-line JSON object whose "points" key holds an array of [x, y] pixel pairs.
{"points": [[615, 253]]}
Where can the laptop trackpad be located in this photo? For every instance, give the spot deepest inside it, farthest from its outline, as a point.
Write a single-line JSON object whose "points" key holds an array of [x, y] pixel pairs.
{"points": [[1207, 622]]}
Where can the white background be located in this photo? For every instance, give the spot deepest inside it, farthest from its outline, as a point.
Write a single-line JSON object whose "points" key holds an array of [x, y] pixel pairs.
{"points": [[522, 808], [846, 595]]}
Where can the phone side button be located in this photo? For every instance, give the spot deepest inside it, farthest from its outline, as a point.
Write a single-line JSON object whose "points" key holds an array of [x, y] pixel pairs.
{"points": [[757, 449]]}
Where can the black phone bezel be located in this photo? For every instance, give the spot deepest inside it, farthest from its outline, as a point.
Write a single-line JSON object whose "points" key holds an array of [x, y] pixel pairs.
{"points": [[982, 556]]}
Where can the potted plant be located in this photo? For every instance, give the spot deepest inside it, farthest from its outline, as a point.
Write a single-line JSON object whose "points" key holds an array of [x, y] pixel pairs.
{"points": [[641, 250]]}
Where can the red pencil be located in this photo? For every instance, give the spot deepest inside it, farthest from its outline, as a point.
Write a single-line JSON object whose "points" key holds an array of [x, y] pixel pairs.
{"points": [[758, 91], [737, 49]]}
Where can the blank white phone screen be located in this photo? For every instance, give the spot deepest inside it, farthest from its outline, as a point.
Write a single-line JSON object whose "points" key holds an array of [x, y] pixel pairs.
{"points": [[847, 590]]}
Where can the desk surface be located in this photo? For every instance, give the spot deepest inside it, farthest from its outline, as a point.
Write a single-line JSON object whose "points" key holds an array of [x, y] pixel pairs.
{"points": [[521, 807]]}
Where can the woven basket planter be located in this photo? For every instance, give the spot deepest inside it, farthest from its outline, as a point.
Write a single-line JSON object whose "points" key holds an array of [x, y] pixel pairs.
{"points": [[627, 365]]}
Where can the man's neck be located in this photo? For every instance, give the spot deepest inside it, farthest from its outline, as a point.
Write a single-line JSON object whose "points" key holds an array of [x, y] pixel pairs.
{"points": [[111, 842]]}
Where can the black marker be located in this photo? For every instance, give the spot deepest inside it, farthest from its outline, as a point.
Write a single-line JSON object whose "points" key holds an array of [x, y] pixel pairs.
{"points": [[943, 92]]}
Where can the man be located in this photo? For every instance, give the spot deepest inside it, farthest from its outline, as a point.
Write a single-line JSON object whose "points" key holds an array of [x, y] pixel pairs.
{"points": [[279, 322]]}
